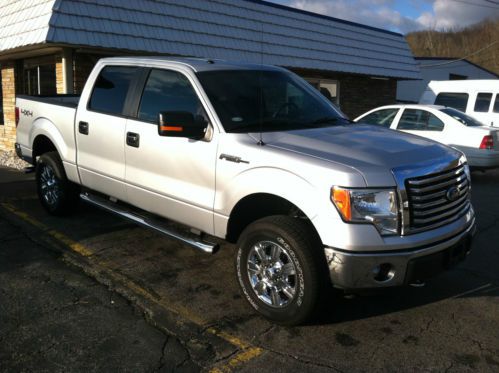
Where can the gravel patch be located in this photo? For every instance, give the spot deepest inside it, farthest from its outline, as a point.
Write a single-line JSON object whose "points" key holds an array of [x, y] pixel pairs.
{"points": [[10, 159]]}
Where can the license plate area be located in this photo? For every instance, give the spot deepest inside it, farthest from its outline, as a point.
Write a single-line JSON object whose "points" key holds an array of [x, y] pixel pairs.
{"points": [[425, 267]]}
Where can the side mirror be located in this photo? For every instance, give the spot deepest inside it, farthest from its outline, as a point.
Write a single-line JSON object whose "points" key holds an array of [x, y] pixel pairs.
{"points": [[181, 124]]}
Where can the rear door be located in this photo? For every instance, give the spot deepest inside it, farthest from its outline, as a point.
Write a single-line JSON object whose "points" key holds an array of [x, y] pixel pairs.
{"points": [[422, 123], [495, 111], [173, 177], [482, 108], [100, 132]]}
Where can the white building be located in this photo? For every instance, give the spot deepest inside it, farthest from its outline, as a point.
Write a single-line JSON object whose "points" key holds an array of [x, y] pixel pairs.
{"points": [[439, 68]]}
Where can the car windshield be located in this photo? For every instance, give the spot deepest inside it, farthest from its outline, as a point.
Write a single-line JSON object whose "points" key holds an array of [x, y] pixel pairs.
{"points": [[461, 117], [263, 100]]}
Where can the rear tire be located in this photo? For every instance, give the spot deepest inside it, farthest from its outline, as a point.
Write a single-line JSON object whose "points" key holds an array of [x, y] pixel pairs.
{"points": [[56, 193], [279, 265]]}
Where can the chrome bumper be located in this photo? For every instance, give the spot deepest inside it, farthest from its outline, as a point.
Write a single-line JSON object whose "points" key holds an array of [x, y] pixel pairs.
{"points": [[350, 270]]}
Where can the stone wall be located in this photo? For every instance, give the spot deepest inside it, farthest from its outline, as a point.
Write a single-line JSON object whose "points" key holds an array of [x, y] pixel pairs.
{"points": [[8, 129], [59, 77]]}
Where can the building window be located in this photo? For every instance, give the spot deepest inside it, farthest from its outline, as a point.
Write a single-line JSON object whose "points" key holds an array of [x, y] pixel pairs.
{"points": [[329, 88], [39, 76], [457, 77]]}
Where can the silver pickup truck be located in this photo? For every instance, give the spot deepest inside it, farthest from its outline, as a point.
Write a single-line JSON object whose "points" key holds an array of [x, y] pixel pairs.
{"points": [[254, 155]]}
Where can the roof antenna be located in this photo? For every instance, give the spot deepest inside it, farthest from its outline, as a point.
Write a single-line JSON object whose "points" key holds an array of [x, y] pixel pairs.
{"points": [[260, 88]]}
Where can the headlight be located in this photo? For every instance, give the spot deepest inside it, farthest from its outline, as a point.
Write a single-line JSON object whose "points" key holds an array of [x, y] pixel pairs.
{"points": [[376, 206]]}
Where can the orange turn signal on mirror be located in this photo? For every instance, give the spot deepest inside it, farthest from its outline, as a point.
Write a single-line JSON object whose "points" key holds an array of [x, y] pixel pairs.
{"points": [[341, 199], [171, 128]]}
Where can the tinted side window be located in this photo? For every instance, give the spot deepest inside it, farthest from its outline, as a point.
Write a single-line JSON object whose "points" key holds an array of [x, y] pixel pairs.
{"points": [[482, 103], [419, 120], [456, 100], [382, 117], [496, 104], [434, 124], [168, 91], [111, 88], [411, 120]]}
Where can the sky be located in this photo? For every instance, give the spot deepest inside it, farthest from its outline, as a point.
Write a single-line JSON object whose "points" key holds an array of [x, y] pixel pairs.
{"points": [[403, 15]]}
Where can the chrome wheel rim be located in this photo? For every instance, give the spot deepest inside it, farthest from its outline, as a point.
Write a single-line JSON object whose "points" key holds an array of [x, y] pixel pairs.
{"points": [[272, 274], [49, 185]]}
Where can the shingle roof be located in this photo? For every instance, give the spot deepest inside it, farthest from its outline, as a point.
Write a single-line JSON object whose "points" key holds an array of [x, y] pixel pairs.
{"points": [[24, 22], [242, 30]]}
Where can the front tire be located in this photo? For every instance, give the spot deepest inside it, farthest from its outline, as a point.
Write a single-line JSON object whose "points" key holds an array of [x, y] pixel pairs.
{"points": [[279, 267], [56, 193]]}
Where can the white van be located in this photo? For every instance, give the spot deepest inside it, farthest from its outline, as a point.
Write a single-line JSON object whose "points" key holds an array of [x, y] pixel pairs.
{"points": [[477, 98]]}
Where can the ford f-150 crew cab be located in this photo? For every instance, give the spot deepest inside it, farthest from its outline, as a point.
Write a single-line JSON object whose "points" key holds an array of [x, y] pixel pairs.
{"points": [[254, 155]]}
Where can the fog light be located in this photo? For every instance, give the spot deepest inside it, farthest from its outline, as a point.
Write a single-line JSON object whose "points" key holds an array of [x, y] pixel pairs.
{"points": [[383, 272]]}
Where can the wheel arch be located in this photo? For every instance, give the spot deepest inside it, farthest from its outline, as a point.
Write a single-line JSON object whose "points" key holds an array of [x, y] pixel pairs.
{"points": [[45, 136], [41, 145], [257, 206]]}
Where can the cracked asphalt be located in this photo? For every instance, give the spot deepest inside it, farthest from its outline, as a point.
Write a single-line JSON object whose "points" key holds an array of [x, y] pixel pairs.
{"points": [[112, 296]]}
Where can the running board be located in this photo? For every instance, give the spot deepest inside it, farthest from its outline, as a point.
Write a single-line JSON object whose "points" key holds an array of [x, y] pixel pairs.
{"points": [[149, 222]]}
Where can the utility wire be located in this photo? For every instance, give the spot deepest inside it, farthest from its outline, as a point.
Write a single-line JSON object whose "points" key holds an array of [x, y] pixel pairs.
{"points": [[496, 6], [462, 58]]}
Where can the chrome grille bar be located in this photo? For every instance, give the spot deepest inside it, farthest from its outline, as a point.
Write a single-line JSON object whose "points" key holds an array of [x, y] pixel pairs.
{"points": [[437, 199]]}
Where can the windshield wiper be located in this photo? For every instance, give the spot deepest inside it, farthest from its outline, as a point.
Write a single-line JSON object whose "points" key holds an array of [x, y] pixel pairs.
{"points": [[325, 120], [264, 125]]}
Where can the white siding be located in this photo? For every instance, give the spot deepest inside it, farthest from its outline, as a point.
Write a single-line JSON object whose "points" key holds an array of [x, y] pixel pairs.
{"points": [[438, 69]]}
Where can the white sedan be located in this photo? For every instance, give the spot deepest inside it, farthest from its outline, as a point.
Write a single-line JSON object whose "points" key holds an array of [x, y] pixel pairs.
{"points": [[446, 125]]}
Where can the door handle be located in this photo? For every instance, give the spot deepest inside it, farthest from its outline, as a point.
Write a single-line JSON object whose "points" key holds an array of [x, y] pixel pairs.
{"points": [[133, 139], [83, 128]]}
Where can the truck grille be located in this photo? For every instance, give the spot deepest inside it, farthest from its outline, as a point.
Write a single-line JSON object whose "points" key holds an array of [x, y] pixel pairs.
{"points": [[437, 199]]}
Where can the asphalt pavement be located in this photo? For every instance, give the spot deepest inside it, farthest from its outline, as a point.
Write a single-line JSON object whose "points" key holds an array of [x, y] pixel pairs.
{"points": [[92, 292]]}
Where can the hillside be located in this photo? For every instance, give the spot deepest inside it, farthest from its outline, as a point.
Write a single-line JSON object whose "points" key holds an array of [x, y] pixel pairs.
{"points": [[467, 42]]}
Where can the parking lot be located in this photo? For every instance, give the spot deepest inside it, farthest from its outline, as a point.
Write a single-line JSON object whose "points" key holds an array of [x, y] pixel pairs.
{"points": [[451, 324]]}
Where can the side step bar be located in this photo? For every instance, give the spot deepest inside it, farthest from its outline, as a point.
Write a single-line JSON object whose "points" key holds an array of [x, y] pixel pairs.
{"points": [[149, 222]]}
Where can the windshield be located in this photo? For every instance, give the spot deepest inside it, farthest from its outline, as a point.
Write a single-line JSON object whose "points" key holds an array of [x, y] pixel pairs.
{"points": [[461, 117], [254, 100]]}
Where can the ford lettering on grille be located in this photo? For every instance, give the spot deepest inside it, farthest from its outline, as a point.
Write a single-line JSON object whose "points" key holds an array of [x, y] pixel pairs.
{"points": [[452, 194]]}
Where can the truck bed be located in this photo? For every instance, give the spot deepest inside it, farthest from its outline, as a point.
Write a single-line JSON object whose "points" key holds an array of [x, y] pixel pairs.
{"points": [[61, 100], [50, 116]]}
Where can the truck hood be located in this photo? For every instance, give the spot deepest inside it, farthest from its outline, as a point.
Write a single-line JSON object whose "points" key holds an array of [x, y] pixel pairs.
{"points": [[371, 150]]}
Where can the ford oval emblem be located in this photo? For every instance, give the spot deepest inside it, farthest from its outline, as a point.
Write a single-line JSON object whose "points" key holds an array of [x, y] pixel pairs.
{"points": [[452, 194]]}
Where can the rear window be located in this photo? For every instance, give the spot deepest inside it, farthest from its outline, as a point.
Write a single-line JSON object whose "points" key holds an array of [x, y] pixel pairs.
{"points": [[482, 102], [496, 104], [461, 117], [110, 89], [458, 101]]}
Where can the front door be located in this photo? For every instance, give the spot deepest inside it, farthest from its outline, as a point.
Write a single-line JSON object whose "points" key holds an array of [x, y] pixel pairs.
{"points": [[173, 177]]}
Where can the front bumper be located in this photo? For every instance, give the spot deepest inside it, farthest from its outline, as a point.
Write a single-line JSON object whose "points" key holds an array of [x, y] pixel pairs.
{"points": [[355, 270]]}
